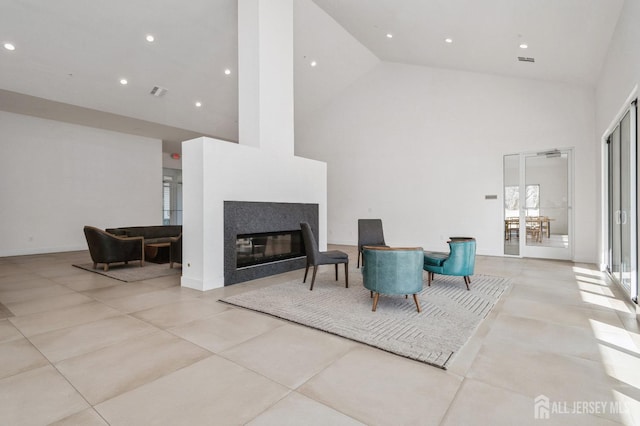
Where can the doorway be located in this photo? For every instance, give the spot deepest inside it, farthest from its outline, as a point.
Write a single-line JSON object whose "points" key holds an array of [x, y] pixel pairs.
{"points": [[537, 210], [171, 196]]}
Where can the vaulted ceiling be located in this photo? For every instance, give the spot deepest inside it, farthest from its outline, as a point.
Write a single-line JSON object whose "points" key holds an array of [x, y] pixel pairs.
{"points": [[70, 55]]}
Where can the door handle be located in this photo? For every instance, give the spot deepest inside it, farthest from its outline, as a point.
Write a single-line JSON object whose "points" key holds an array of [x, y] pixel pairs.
{"points": [[623, 216]]}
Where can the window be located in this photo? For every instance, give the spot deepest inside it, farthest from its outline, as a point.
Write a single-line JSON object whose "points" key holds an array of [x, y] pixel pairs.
{"points": [[512, 201]]}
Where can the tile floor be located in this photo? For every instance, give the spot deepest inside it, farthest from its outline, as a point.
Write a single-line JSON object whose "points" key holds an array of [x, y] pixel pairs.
{"points": [[83, 349]]}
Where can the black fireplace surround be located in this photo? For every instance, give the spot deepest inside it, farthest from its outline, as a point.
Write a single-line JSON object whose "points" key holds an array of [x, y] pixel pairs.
{"points": [[247, 229]]}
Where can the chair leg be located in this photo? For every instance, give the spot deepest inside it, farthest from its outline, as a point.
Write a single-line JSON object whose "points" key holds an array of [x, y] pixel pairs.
{"points": [[371, 294], [346, 275], [141, 263], [467, 281], [95, 265], [375, 301], [415, 299], [106, 267], [336, 265], [359, 253], [313, 278], [429, 278], [305, 273]]}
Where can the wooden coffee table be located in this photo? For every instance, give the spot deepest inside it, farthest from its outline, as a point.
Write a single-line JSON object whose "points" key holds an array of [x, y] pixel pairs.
{"points": [[157, 252]]}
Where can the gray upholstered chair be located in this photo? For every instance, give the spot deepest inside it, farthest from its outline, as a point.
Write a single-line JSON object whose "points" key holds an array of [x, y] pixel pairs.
{"points": [[387, 270], [369, 234], [107, 248], [316, 257]]}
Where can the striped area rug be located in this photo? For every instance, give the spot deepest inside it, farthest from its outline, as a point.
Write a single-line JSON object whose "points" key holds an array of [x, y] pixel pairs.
{"points": [[450, 314]]}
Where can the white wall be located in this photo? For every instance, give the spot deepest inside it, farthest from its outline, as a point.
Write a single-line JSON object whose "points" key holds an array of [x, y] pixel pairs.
{"points": [[340, 58], [216, 171], [621, 69], [265, 74], [57, 177], [421, 147], [618, 80], [170, 163]]}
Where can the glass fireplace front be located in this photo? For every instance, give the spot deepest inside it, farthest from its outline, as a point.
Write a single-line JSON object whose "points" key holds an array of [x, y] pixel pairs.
{"points": [[266, 247]]}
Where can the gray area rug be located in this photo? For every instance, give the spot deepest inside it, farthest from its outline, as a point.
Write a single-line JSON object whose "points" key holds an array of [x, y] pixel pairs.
{"points": [[450, 314], [133, 271]]}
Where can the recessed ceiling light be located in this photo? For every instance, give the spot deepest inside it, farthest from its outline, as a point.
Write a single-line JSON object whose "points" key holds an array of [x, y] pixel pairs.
{"points": [[389, 35], [314, 63], [198, 104], [524, 46], [124, 81], [448, 40], [9, 46], [150, 38], [227, 71]]}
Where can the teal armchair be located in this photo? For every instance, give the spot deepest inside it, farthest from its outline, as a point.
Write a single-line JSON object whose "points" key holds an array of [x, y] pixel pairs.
{"points": [[388, 270], [459, 262]]}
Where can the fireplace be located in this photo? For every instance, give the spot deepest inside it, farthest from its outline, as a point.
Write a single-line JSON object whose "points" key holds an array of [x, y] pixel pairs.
{"points": [[267, 247], [262, 239]]}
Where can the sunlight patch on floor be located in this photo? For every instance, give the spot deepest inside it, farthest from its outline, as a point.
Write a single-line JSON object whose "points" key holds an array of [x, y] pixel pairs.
{"points": [[605, 302], [586, 271], [597, 281], [629, 408], [596, 289]]}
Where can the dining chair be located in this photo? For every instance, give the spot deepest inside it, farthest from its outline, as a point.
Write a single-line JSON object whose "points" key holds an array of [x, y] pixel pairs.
{"points": [[369, 234], [316, 257]]}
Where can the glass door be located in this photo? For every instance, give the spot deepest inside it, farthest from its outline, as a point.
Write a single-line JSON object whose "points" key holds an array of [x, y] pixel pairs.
{"points": [[615, 219], [537, 212], [621, 150], [512, 205]]}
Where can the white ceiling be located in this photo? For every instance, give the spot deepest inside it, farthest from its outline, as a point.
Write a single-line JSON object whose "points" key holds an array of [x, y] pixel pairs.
{"points": [[567, 38], [75, 52]]}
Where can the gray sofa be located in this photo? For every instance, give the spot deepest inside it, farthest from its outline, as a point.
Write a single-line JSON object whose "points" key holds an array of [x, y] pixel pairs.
{"points": [[151, 234]]}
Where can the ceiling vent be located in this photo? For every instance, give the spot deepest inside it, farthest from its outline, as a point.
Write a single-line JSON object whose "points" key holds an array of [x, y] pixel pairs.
{"points": [[525, 59], [158, 91]]}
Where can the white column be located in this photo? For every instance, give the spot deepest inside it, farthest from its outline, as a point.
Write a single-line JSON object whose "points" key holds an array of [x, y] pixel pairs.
{"points": [[265, 74]]}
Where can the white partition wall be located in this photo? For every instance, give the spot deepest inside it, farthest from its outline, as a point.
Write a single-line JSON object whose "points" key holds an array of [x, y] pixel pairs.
{"points": [[262, 167], [216, 171]]}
